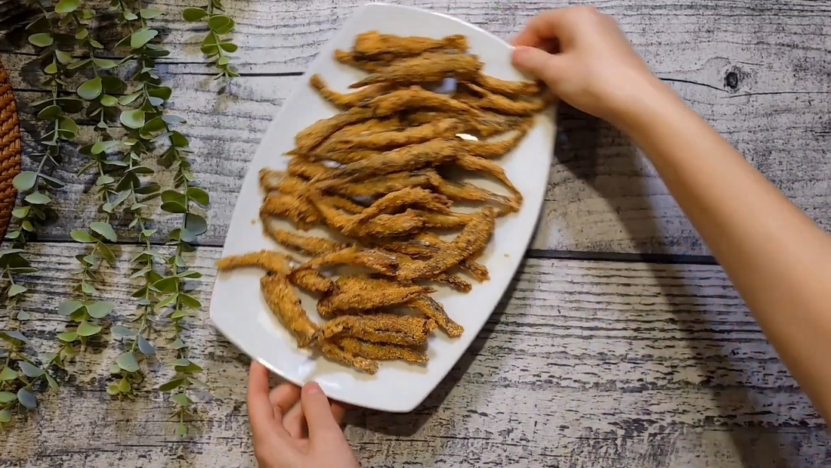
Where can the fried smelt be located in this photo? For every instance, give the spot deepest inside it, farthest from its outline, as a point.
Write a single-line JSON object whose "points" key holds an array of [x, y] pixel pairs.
{"points": [[375, 260], [373, 44], [348, 100], [408, 158], [396, 200], [340, 355], [314, 134], [380, 226], [488, 124], [349, 58], [307, 169], [445, 128], [286, 306], [276, 262], [354, 294], [497, 149], [505, 105], [277, 181], [473, 238], [432, 309], [478, 271], [453, 281], [474, 164], [406, 330], [381, 185], [427, 68], [382, 352], [463, 191], [295, 208], [507, 88], [416, 97], [444, 220], [307, 245]]}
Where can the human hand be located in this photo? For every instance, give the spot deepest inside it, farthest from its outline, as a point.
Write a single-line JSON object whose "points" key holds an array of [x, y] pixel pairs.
{"points": [[292, 434], [583, 56]]}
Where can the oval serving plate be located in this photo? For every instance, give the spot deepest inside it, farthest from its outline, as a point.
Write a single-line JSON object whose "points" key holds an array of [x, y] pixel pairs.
{"points": [[237, 307]]}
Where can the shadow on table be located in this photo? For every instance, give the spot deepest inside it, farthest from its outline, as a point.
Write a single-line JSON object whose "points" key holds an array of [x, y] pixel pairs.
{"points": [[603, 157], [408, 424]]}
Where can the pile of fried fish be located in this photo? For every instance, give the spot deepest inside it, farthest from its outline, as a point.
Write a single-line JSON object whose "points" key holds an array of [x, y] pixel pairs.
{"points": [[376, 175]]}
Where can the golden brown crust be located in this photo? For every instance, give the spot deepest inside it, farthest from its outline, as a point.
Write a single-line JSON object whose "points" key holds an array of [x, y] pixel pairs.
{"points": [[380, 226], [408, 158], [314, 134], [427, 68], [497, 149], [348, 100], [342, 356], [372, 44], [505, 105], [474, 164], [307, 245], [396, 200], [432, 309], [376, 260], [350, 59], [278, 263], [295, 208], [441, 129], [285, 305], [418, 98], [353, 293], [478, 271], [473, 238], [382, 352], [379, 186], [507, 88], [379, 328]]}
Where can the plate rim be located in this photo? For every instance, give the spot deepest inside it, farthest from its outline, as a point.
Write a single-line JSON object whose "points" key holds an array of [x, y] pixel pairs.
{"points": [[288, 104]]}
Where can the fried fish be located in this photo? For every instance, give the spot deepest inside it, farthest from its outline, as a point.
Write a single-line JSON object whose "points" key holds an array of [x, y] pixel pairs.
{"points": [[278, 263], [427, 68], [382, 352], [373, 44], [358, 293], [285, 305], [379, 328]]}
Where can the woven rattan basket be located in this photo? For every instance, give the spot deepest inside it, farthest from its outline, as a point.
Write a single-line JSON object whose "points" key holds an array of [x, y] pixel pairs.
{"points": [[10, 149]]}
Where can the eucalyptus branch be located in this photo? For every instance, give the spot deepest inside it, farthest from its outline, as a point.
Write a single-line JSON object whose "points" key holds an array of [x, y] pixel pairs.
{"points": [[215, 46]]}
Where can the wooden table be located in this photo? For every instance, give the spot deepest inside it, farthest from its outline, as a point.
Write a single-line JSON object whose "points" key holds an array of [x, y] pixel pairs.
{"points": [[619, 343]]}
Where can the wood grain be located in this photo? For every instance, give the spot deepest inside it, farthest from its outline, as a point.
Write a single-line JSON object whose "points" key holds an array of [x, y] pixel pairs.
{"points": [[603, 195], [583, 364]]}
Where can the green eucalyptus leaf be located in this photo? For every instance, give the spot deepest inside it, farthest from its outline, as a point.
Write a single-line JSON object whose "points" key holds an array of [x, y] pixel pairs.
{"points": [[108, 101], [127, 362], [104, 229], [182, 430], [185, 235], [82, 33], [179, 140], [229, 47], [25, 180], [30, 370], [41, 39], [63, 57], [124, 386], [104, 64], [167, 285], [87, 329], [220, 24], [194, 14], [23, 315], [182, 399], [7, 397], [38, 198], [174, 207], [68, 125], [67, 307], [27, 398], [67, 6], [15, 290], [22, 211], [81, 236], [100, 309], [123, 331], [79, 63], [129, 98], [112, 389], [8, 374], [50, 113], [133, 118], [5, 416], [199, 196], [90, 89], [68, 337], [178, 344], [103, 146], [190, 301], [130, 16], [196, 224], [52, 383], [172, 385], [145, 346], [224, 60], [95, 43], [13, 336], [142, 37], [107, 253], [150, 13]]}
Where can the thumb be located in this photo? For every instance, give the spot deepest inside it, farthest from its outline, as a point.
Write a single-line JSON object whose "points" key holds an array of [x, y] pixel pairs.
{"points": [[537, 62], [319, 418]]}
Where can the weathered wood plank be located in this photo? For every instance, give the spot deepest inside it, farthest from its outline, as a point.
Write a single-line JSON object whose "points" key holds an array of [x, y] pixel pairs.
{"points": [[603, 196], [583, 364]]}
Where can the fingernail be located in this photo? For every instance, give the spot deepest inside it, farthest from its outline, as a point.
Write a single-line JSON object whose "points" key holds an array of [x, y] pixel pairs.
{"points": [[312, 388]]}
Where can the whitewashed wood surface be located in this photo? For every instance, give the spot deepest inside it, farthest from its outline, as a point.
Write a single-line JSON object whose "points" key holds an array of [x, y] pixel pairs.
{"points": [[585, 363], [589, 364]]}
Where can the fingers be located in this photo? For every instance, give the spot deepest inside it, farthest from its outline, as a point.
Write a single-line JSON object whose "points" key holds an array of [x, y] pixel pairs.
{"points": [[283, 397], [260, 411], [319, 418], [543, 28], [538, 63], [295, 422]]}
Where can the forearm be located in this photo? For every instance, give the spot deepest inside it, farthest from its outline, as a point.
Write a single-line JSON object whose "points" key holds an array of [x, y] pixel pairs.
{"points": [[779, 261]]}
